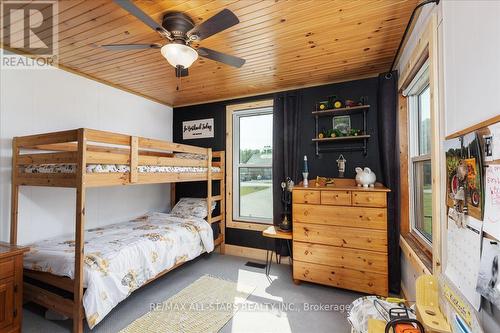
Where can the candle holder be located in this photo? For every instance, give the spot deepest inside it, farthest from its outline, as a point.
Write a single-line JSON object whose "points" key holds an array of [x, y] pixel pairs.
{"points": [[286, 199]]}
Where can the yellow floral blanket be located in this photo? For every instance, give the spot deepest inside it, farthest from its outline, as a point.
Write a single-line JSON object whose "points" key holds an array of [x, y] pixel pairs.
{"points": [[121, 257]]}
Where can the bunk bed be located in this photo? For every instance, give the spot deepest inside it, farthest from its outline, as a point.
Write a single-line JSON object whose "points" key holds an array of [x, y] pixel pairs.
{"points": [[85, 158]]}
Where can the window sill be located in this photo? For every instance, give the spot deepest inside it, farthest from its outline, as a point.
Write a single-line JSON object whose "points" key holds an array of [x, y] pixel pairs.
{"points": [[248, 225], [416, 254]]}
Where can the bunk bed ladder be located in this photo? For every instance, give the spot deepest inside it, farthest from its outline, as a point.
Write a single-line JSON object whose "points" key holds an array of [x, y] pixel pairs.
{"points": [[209, 185]]}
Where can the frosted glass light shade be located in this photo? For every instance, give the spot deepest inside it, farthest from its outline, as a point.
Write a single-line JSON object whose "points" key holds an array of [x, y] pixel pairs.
{"points": [[179, 55]]}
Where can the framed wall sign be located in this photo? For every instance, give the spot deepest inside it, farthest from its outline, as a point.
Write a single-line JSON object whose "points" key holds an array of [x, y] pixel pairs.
{"points": [[197, 129]]}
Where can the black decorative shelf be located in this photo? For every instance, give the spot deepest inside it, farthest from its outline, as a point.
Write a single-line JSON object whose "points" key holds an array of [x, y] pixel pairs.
{"points": [[346, 110], [342, 138], [332, 112]]}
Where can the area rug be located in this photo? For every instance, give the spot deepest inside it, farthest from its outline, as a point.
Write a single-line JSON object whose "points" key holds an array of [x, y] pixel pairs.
{"points": [[206, 305]]}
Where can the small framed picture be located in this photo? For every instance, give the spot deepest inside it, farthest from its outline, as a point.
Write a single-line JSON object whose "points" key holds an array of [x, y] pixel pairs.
{"points": [[342, 123]]}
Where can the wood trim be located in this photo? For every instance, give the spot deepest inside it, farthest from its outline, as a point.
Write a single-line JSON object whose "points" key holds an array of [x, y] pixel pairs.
{"points": [[47, 158], [437, 155], [229, 162], [247, 225], [229, 168], [475, 127], [412, 256], [426, 49], [404, 165], [47, 138], [250, 105], [273, 91], [170, 146], [134, 158], [107, 137]]}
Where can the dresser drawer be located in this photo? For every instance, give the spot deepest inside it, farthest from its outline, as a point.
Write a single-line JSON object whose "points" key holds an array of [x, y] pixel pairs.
{"points": [[340, 257], [306, 196], [356, 217], [369, 199], [354, 238], [337, 198], [7, 267], [367, 282]]}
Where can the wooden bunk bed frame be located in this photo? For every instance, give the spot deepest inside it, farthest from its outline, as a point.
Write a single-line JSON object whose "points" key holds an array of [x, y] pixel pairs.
{"points": [[87, 146]]}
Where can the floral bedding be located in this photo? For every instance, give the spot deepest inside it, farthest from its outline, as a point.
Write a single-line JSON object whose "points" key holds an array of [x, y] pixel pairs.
{"points": [[120, 258], [192, 207], [106, 168]]}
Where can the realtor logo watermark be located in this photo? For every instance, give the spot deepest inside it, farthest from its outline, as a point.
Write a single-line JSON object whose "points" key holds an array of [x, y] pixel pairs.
{"points": [[29, 34]]}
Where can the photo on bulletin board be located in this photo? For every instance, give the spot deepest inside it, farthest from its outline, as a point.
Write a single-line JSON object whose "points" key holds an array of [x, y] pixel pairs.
{"points": [[488, 282], [464, 164]]}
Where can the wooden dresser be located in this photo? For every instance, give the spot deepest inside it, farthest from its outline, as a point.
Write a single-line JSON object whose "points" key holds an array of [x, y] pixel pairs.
{"points": [[340, 236], [11, 286]]}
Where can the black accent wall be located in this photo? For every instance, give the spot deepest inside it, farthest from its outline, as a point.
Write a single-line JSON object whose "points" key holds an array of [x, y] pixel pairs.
{"points": [[323, 165]]}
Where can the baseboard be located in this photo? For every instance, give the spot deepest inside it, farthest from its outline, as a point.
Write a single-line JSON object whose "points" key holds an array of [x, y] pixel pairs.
{"points": [[249, 252]]}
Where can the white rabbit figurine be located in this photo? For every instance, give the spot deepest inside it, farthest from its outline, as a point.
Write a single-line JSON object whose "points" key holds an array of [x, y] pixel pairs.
{"points": [[365, 177]]}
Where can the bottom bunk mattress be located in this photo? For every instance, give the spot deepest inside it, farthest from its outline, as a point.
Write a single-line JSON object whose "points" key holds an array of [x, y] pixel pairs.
{"points": [[121, 257]]}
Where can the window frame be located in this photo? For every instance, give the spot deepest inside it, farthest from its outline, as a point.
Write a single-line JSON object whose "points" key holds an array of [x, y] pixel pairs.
{"points": [[236, 165], [417, 86], [230, 109]]}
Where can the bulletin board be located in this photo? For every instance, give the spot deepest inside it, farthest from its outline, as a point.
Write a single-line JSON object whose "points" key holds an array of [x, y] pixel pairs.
{"points": [[472, 272]]}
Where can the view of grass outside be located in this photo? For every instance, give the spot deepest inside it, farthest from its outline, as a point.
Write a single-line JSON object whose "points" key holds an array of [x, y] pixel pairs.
{"points": [[245, 190], [423, 198]]}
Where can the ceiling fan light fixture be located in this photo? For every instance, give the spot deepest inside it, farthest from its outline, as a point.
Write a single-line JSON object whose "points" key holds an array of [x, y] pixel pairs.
{"points": [[179, 54]]}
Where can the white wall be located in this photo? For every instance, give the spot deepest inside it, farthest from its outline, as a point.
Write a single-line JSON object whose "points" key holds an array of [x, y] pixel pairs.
{"points": [[472, 62], [38, 101], [469, 53]]}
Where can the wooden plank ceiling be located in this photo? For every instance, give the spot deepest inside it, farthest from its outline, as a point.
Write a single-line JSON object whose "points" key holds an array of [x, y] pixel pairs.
{"points": [[287, 44]]}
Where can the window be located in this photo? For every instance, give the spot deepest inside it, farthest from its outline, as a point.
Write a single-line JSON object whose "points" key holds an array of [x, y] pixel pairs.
{"points": [[252, 165], [419, 100]]}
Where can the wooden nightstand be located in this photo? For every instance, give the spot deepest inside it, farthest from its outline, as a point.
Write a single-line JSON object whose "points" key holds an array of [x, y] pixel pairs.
{"points": [[11, 287], [274, 233]]}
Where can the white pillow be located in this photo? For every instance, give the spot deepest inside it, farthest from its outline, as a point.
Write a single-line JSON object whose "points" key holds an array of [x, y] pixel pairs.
{"points": [[192, 207]]}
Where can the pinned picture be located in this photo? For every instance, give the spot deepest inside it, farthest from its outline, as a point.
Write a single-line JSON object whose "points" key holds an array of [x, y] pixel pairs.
{"points": [[464, 190], [342, 123], [488, 282]]}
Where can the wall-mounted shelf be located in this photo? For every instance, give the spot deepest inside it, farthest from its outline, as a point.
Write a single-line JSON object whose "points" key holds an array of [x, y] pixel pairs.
{"points": [[332, 112], [341, 111], [340, 138]]}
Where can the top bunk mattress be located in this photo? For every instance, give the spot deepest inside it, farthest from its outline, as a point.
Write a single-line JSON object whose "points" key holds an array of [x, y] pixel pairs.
{"points": [[109, 168]]}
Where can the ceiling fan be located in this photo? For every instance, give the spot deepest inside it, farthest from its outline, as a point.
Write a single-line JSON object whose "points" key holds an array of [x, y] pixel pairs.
{"points": [[180, 30]]}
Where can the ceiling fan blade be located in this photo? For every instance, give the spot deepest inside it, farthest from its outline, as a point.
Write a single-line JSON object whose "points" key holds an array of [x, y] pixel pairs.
{"points": [[221, 57], [123, 47], [137, 12], [217, 23]]}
